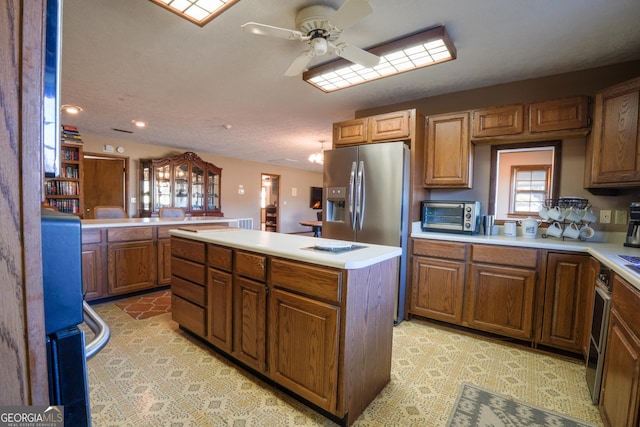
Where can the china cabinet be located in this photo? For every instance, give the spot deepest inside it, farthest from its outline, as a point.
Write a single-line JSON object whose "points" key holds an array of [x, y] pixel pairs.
{"points": [[182, 181]]}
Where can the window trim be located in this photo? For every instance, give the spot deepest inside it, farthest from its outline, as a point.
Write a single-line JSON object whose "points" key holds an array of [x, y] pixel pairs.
{"points": [[557, 166]]}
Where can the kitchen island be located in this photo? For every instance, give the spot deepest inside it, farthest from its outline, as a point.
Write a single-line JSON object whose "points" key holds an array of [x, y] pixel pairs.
{"points": [[128, 255], [317, 322]]}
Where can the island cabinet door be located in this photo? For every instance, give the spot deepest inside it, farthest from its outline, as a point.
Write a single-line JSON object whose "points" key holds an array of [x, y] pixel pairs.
{"points": [[501, 300], [249, 314], [219, 308], [303, 347]]}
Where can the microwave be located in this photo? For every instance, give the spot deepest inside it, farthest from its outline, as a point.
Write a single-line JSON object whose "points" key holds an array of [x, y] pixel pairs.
{"points": [[450, 216]]}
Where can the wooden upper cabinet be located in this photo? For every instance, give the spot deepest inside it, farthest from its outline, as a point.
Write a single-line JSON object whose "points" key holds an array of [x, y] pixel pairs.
{"points": [[350, 132], [449, 153], [382, 127], [613, 148], [385, 127], [498, 121], [560, 114]]}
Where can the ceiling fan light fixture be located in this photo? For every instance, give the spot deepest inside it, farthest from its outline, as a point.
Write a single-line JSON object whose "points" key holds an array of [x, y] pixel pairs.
{"points": [[199, 12], [318, 158], [419, 50]]}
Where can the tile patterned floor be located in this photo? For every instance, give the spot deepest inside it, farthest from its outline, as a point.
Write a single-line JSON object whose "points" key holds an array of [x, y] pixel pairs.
{"points": [[153, 374], [147, 305]]}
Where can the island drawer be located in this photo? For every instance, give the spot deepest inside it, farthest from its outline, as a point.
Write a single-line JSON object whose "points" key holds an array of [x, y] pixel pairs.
{"points": [[188, 249], [505, 255], [188, 290], [310, 280], [128, 234], [188, 270], [220, 257], [251, 265], [439, 249], [188, 315]]}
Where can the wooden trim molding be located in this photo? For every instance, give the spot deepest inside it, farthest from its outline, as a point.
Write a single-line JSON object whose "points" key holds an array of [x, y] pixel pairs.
{"points": [[22, 344]]}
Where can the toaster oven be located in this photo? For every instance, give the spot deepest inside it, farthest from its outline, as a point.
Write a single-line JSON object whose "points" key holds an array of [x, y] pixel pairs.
{"points": [[450, 216]]}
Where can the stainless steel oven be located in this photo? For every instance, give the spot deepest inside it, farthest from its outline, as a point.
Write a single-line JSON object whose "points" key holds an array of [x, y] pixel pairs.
{"points": [[598, 335]]}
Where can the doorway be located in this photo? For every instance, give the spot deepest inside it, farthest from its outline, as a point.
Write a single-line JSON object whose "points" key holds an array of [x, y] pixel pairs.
{"points": [[105, 182], [269, 197]]}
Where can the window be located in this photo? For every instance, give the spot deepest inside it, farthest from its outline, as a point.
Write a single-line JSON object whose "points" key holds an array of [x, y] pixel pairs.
{"points": [[529, 189], [523, 174]]}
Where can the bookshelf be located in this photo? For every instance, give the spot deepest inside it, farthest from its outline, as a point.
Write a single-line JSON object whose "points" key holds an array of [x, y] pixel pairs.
{"points": [[65, 191]]}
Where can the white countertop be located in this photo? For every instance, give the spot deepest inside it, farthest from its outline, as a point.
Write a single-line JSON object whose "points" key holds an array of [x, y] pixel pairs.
{"points": [[295, 247], [604, 251], [139, 222]]}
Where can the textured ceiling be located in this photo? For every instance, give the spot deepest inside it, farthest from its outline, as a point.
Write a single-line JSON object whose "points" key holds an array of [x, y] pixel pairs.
{"points": [[130, 59]]}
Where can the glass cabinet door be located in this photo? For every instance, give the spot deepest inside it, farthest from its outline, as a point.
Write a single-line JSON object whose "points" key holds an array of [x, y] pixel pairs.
{"points": [[181, 176], [162, 190], [213, 191], [197, 188], [145, 189]]}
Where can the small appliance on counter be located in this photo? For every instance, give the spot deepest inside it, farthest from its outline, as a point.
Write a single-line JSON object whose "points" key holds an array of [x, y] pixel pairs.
{"points": [[633, 233], [451, 216]]}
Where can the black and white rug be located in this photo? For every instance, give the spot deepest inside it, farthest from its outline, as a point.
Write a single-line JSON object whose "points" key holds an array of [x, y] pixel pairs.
{"points": [[477, 407]]}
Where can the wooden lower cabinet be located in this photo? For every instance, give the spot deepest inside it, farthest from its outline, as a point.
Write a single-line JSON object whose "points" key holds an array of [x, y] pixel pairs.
{"points": [[250, 314], [564, 317], [92, 263], [164, 262], [219, 308], [438, 280], [303, 347], [501, 300], [131, 266], [620, 396]]}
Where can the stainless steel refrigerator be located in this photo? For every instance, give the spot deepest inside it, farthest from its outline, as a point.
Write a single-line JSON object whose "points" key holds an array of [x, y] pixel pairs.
{"points": [[366, 199]]}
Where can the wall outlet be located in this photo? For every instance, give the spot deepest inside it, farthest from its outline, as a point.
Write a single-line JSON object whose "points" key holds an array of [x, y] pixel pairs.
{"points": [[621, 216], [605, 216]]}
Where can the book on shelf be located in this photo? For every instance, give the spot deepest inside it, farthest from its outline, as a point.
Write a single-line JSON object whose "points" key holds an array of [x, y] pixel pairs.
{"points": [[71, 134]]}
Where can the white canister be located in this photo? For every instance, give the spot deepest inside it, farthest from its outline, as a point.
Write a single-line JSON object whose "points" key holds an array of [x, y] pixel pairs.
{"points": [[509, 228], [529, 227]]}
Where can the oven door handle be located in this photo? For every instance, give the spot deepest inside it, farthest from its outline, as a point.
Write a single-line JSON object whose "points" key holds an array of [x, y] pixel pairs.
{"points": [[98, 327]]}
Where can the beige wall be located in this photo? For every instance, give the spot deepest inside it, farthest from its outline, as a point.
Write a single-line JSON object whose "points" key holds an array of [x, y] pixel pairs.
{"points": [[235, 172], [586, 82]]}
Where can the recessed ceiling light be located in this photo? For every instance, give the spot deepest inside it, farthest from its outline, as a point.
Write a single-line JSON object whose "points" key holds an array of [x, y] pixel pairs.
{"points": [[71, 109], [139, 123]]}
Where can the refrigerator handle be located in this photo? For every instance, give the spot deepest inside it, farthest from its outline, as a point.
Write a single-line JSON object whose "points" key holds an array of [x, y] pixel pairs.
{"points": [[352, 195], [360, 194]]}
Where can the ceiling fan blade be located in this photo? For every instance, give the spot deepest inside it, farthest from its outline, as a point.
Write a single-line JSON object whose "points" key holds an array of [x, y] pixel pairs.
{"points": [[268, 30], [356, 55], [299, 64], [349, 13]]}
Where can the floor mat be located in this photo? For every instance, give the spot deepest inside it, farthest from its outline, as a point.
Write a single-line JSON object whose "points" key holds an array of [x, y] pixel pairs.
{"points": [[478, 407], [147, 305]]}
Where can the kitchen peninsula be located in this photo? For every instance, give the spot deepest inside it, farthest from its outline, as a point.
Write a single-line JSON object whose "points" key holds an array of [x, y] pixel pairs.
{"points": [[318, 322], [122, 256]]}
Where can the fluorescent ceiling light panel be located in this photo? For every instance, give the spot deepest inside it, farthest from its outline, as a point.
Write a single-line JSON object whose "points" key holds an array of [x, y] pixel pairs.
{"points": [[420, 50], [200, 12]]}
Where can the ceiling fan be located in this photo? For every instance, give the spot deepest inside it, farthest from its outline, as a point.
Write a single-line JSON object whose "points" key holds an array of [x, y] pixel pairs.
{"points": [[321, 27]]}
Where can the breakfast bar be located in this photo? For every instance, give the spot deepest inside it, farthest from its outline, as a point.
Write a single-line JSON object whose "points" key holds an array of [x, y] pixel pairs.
{"points": [[314, 316]]}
